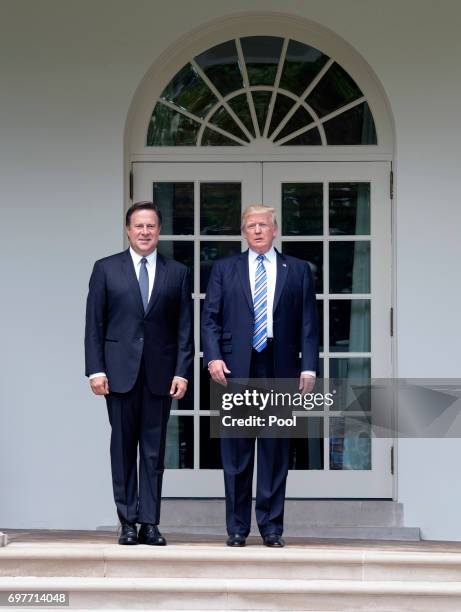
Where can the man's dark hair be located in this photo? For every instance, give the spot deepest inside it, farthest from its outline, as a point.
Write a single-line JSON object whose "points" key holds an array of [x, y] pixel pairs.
{"points": [[144, 205]]}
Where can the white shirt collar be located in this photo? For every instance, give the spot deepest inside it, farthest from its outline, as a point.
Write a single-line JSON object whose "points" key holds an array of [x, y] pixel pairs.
{"points": [[270, 255], [151, 259]]}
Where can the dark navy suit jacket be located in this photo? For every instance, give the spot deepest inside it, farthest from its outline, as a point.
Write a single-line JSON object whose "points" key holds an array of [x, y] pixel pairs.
{"points": [[118, 332], [227, 318]]}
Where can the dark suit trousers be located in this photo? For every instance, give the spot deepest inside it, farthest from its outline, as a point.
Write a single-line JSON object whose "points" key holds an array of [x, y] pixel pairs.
{"points": [[138, 418], [238, 460]]}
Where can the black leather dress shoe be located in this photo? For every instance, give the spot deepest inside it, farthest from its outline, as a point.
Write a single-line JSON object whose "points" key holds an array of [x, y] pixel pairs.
{"points": [[149, 534], [274, 540], [236, 539], [128, 533]]}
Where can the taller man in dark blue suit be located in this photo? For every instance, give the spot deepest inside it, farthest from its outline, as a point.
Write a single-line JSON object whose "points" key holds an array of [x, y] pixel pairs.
{"points": [[259, 314], [139, 352]]}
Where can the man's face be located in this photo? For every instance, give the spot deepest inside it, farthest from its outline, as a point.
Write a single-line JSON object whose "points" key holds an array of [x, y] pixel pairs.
{"points": [[143, 231], [260, 232]]}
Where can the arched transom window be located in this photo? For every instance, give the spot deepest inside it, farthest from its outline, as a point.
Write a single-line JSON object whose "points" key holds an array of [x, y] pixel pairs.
{"points": [[261, 87]]}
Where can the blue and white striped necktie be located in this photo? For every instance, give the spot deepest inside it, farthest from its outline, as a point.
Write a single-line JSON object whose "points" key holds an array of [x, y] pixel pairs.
{"points": [[260, 306]]}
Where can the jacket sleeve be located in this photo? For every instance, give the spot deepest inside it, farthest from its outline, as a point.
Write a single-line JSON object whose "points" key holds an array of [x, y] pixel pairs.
{"points": [[95, 322], [185, 355], [309, 327], [212, 317]]}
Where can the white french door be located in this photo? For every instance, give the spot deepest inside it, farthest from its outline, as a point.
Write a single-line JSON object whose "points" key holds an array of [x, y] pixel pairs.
{"points": [[336, 216], [201, 204]]}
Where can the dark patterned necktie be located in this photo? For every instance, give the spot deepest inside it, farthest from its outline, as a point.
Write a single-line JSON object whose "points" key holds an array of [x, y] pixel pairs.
{"points": [[144, 283]]}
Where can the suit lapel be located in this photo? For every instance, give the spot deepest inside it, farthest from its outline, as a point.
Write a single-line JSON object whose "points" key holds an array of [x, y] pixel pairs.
{"points": [[244, 276], [159, 280], [282, 273], [132, 279]]}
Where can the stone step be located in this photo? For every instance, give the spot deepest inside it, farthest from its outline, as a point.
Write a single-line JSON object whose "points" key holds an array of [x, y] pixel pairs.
{"points": [[220, 562], [409, 534], [300, 514], [245, 594], [345, 519]]}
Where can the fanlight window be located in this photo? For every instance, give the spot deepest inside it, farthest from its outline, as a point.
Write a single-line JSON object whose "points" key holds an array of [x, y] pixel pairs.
{"points": [[261, 87]]}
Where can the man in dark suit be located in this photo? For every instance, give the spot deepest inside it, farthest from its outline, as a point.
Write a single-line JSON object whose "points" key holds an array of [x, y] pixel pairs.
{"points": [[259, 314], [139, 352]]}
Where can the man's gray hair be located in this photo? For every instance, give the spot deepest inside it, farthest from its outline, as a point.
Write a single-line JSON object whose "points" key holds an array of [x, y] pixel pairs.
{"points": [[258, 209]]}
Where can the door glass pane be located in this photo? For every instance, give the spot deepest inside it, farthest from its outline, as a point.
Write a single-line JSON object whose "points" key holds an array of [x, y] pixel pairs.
{"points": [[350, 325], [321, 368], [204, 385], [168, 127], [311, 252], [179, 448], [350, 267], [300, 119], [211, 138], [220, 209], [302, 209], [353, 367], [353, 127], [302, 64], [210, 251], [180, 250], [223, 120], [320, 324], [239, 105], [220, 64], [261, 55], [306, 139], [281, 107], [334, 90], [187, 402], [350, 443], [176, 202], [187, 90], [261, 101], [349, 374], [210, 451], [349, 208], [308, 454]]}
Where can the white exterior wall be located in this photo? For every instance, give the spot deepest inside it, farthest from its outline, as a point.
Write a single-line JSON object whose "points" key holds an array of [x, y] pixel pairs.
{"points": [[68, 73]]}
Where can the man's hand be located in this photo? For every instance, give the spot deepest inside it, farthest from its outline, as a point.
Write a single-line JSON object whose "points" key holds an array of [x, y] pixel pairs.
{"points": [[218, 371], [178, 388], [100, 385], [306, 383]]}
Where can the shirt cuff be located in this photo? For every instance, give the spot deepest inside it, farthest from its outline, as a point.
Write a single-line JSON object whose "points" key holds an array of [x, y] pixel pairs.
{"points": [[91, 376], [181, 378], [310, 373]]}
